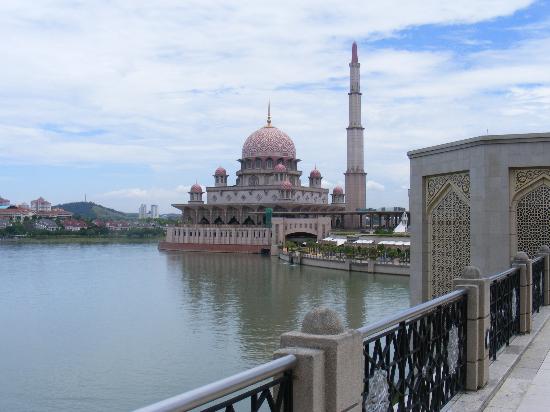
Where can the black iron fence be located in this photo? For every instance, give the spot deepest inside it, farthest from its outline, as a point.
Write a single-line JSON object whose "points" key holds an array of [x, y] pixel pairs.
{"points": [[538, 283], [416, 360], [504, 307], [260, 396]]}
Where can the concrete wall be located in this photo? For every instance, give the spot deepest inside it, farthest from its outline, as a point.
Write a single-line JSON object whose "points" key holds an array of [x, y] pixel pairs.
{"points": [[219, 235], [371, 267], [197, 247], [488, 159], [321, 263]]}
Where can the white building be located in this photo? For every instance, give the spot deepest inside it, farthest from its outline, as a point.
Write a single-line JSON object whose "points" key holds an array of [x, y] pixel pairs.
{"points": [[154, 211], [41, 205], [143, 211]]}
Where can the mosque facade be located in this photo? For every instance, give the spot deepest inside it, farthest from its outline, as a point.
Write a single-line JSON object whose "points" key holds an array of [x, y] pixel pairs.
{"points": [[269, 177]]}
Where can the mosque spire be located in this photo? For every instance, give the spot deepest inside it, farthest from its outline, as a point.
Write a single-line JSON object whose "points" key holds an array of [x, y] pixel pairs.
{"points": [[354, 58], [269, 113]]}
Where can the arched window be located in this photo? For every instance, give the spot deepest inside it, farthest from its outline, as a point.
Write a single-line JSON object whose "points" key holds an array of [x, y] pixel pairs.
{"points": [[253, 181], [258, 163], [249, 164], [269, 163]]}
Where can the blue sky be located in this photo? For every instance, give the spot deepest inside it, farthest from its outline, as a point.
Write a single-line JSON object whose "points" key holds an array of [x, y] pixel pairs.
{"points": [[134, 101]]}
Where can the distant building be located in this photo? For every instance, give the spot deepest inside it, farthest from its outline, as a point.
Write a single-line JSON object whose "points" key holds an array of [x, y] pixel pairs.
{"points": [[4, 202], [46, 224], [143, 211], [74, 225], [117, 226], [41, 205], [55, 213], [154, 211], [392, 209], [15, 213], [24, 205]]}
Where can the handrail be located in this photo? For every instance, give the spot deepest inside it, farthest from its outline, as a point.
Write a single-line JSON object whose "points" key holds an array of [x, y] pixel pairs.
{"points": [[413, 312], [215, 390], [500, 275], [536, 259]]}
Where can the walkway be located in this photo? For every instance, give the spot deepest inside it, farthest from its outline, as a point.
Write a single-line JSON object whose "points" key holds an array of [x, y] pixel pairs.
{"points": [[527, 388]]}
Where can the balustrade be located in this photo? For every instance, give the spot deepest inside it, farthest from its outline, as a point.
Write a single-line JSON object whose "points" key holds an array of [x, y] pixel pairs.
{"points": [[504, 309], [419, 363]]}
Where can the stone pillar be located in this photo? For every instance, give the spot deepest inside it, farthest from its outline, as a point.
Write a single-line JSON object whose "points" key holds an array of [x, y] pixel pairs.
{"points": [[545, 251], [522, 261], [340, 378], [477, 326]]}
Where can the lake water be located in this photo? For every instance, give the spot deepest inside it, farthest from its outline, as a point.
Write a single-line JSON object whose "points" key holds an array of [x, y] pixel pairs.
{"points": [[117, 326]]}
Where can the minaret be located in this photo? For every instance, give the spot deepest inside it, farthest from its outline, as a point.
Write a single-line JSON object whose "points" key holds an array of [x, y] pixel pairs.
{"points": [[355, 174]]}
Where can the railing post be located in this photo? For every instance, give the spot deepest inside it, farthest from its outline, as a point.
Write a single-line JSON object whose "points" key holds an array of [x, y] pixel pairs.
{"points": [[522, 261], [477, 326], [329, 375], [545, 251]]}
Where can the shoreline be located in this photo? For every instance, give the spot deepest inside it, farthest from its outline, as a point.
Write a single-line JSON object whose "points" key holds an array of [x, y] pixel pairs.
{"points": [[79, 239]]}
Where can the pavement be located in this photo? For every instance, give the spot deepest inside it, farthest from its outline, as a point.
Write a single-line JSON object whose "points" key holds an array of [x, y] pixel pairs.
{"points": [[527, 387]]}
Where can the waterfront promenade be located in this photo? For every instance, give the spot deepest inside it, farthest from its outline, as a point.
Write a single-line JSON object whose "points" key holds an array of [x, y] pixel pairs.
{"points": [[526, 387]]}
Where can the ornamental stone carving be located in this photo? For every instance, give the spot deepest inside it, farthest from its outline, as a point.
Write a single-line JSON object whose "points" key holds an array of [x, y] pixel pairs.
{"points": [[533, 220], [269, 142], [434, 184], [452, 350], [514, 304], [524, 177], [378, 397], [448, 216]]}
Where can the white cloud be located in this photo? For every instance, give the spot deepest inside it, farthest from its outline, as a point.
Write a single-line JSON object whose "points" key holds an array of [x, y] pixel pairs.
{"points": [[372, 185], [177, 86]]}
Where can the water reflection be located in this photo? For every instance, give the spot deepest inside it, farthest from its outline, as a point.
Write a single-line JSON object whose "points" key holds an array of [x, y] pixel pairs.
{"points": [[263, 297], [115, 327]]}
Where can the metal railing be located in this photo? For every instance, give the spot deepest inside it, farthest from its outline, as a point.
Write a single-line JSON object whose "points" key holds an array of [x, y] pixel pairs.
{"points": [[504, 309], [416, 360], [537, 269], [277, 393]]}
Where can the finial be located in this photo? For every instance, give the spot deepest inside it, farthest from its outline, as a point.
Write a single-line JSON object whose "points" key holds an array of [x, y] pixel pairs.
{"points": [[354, 58], [269, 113]]}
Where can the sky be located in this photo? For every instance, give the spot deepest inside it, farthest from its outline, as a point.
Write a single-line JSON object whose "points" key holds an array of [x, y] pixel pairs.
{"points": [[130, 101]]}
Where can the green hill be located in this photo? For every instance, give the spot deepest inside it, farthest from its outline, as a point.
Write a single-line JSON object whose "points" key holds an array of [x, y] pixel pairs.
{"points": [[90, 210]]}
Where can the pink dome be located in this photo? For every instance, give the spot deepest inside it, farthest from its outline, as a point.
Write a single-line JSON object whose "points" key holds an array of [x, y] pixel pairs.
{"points": [[196, 188], [315, 173], [220, 171], [269, 142], [337, 191], [280, 168], [286, 185]]}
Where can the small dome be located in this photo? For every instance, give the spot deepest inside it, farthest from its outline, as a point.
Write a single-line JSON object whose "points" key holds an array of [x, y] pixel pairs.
{"points": [[286, 185], [280, 168], [196, 188], [220, 171], [315, 173], [337, 191]]}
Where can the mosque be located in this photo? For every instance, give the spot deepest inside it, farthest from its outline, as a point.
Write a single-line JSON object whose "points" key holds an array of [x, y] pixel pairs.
{"points": [[269, 177]]}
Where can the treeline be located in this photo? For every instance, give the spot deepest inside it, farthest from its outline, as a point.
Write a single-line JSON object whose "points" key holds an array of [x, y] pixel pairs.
{"points": [[21, 229]]}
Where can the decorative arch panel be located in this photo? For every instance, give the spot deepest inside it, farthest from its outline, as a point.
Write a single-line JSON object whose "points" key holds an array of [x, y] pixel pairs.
{"points": [[530, 210], [448, 217]]}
